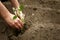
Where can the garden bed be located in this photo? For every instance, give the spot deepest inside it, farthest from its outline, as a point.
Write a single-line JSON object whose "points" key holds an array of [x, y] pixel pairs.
{"points": [[42, 22]]}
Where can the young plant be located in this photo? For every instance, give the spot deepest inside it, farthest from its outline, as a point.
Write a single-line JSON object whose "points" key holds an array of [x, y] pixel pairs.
{"points": [[18, 13]]}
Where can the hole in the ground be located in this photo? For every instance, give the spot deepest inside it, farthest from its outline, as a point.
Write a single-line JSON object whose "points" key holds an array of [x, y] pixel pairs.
{"points": [[34, 9], [17, 32]]}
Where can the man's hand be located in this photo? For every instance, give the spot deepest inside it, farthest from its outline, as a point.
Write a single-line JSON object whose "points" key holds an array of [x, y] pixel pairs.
{"points": [[15, 3], [17, 23]]}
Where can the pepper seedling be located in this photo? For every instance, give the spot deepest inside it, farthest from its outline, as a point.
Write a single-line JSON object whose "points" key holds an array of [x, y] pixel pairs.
{"points": [[18, 13]]}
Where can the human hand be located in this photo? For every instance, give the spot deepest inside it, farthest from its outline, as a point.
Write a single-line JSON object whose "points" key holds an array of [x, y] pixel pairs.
{"points": [[17, 23]]}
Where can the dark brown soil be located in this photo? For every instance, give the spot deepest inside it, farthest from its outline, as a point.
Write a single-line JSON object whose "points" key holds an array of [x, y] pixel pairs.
{"points": [[42, 20]]}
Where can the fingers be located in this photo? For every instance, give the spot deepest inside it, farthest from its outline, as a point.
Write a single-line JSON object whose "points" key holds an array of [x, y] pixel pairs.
{"points": [[18, 24], [14, 25]]}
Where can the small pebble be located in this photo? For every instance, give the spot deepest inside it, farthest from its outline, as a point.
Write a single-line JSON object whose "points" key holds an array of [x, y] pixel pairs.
{"points": [[32, 14]]}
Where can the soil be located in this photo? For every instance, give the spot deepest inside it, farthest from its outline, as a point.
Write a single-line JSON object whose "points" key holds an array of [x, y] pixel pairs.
{"points": [[42, 21]]}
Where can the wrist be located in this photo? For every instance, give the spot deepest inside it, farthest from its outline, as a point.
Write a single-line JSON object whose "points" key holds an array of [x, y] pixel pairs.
{"points": [[6, 15]]}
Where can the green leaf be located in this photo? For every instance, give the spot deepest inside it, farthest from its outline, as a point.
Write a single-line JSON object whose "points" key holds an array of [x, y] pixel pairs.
{"points": [[21, 8], [14, 17]]}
